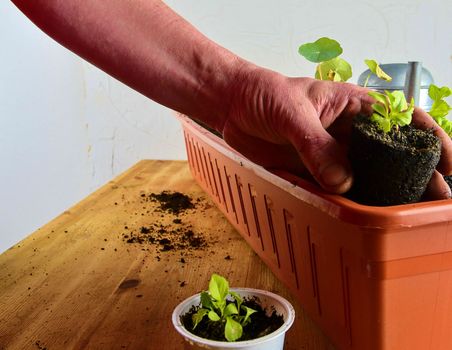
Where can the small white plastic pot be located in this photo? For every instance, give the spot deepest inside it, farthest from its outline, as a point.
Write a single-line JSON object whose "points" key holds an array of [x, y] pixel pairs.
{"points": [[268, 300]]}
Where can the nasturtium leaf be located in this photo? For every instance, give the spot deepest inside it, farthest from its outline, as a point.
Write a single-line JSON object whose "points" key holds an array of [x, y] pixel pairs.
{"points": [[231, 309], [321, 50], [233, 330], [335, 69], [337, 76], [376, 69], [198, 316], [213, 316], [218, 287]]}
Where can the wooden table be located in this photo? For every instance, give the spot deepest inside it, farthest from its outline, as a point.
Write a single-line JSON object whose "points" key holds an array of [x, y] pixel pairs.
{"points": [[89, 280]]}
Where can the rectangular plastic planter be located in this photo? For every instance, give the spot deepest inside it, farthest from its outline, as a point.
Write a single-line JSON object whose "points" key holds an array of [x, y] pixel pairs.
{"points": [[371, 277]]}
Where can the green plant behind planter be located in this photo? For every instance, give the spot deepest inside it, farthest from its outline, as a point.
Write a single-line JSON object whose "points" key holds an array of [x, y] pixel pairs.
{"points": [[439, 111], [440, 108], [214, 303], [375, 68], [325, 52]]}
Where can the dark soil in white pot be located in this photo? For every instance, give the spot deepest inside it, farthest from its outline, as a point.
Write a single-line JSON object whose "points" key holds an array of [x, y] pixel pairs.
{"points": [[262, 323]]}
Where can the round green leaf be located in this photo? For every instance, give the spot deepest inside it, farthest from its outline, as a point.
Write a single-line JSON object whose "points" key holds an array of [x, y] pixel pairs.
{"points": [[321, 50], [335, 69], [231, 309], [233, 330], [213, 316]]}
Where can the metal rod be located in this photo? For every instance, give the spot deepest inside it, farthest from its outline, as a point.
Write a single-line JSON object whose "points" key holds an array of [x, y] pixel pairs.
{"points": [[413, 81]]}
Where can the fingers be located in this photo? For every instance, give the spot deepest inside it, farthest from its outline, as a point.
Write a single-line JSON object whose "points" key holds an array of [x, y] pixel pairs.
{"points": [[437, 188], [267, 154], [424, 121], [325, 159], [342, 125], [359, 101]]}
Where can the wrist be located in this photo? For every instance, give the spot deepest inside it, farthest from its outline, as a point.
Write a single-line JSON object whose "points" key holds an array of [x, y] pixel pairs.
{"points": [[220, 76]]}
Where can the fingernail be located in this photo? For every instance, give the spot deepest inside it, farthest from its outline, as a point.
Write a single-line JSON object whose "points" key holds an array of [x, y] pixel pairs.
{"points": [[334, 175]]}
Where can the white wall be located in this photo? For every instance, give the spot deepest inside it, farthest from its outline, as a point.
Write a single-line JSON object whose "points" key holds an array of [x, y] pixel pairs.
{"points": [[67, 128]]}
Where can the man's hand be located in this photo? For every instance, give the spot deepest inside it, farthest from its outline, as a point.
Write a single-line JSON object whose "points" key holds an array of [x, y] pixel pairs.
{"points": [[302, 125]]}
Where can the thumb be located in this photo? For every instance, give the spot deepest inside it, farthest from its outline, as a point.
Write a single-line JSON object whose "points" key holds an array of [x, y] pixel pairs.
{"points": [[322, 155]]}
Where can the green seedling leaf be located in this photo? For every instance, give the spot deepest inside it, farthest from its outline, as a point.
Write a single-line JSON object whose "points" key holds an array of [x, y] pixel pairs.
{"points": [[382, 122], [249, 311], [198, 316], [335, 69], [391, 110], [206, 301], [446, 125], [403, 117], [233, 330], [220, 308], [237, 297], [382, 98], [440, 108], [436, 93], [376, 69], [397, 100], [321, 50], [380, 109], [213, 316], [231, 309], [218, 287]]}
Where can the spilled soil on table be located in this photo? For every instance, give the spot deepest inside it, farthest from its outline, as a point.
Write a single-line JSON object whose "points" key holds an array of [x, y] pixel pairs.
{"points": [[177, 235]]}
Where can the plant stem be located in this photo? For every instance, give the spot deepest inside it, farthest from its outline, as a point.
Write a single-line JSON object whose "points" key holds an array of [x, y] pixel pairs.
{"points": [[367, 80], [320, 72]]}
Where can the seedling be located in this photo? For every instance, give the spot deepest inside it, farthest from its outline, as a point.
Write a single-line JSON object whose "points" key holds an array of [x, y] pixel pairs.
{"points": [[391, 110], [325, 52], [216, 306], [376, 69], [440, 108]]}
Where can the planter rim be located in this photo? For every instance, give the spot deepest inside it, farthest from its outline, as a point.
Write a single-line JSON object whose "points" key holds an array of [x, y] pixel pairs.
{"points": [[375, 217], [195, 299]]}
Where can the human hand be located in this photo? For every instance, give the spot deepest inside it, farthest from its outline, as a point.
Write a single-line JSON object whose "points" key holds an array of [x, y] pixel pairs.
{"points": [[302, 125], [296, 124], [437, 187]]}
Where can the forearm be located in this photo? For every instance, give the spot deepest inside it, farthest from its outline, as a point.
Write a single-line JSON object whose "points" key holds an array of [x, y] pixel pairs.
{"points": [[147, 46]]}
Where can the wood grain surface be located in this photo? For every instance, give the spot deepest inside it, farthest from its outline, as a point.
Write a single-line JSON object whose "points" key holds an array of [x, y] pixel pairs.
{"points": [[89, 280]]}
